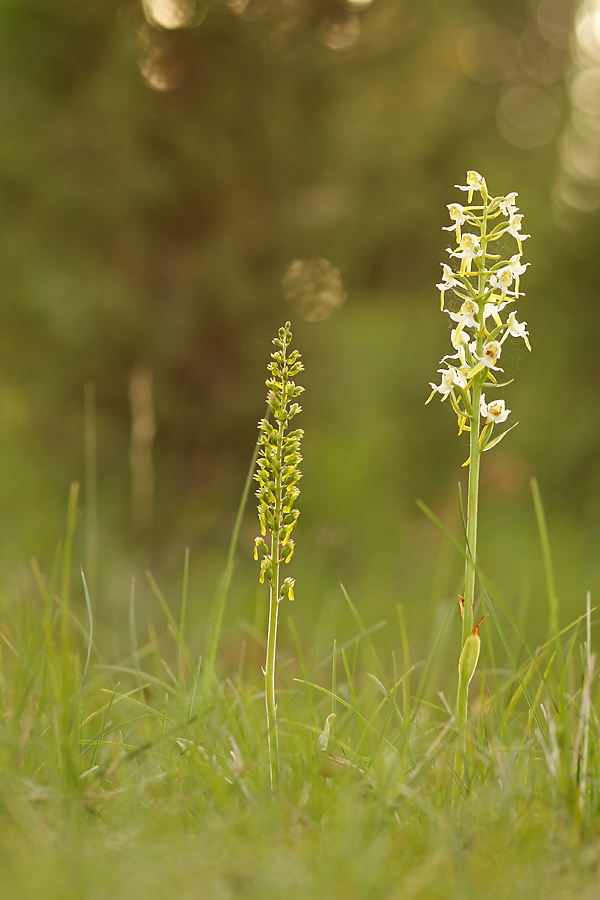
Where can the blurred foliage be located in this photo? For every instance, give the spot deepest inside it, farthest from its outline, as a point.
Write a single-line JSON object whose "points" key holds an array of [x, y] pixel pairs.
{"points": [[156, 185]]}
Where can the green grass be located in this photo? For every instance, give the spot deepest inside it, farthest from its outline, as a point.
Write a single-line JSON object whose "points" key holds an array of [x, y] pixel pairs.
{"points": [[150, 776]]}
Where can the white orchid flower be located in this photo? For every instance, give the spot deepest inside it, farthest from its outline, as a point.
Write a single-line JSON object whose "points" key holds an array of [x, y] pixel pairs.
{"points": [[448, 281], [460, 378], [507, 204], [502, 279], [469, 248], [459, 338], [517, 268], [515, 265], [465, 316], [494, 412], [514, 228], [475, 181], [445, 386], [494, 308], [492, 352], [457, 213], [516, 329]]}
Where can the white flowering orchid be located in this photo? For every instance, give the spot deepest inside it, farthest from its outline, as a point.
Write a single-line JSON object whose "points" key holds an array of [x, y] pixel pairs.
{"points": [[480, 295], [516, 329], [475, 182], [458, 215], [494, 412], [469, 248], [484, 285]]}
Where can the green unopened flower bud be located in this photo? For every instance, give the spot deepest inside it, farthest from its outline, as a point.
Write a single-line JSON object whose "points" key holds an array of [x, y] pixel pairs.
{"points": [[287, 588], [266, 568], [259, 544], [469, 656]]}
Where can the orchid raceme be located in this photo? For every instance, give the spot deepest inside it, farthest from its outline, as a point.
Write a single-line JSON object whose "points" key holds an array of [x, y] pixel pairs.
{"points": [[481, 289], [475, 298], [278, 475]]}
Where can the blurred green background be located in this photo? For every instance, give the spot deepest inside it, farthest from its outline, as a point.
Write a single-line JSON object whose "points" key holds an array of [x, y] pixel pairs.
{"points": [[178, 178]]}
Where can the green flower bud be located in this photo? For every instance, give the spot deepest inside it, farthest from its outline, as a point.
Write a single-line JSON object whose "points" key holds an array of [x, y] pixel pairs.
{"points": [[287, 588], [469, 656]]}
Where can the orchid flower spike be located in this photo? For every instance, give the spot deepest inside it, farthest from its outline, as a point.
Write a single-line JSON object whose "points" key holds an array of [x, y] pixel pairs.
{"points": [[485, 284]]}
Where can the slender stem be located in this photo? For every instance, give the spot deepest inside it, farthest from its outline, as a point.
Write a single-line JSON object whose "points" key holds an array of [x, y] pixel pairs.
{"points": [[271, 700], [472, 511], [462, 700], [548, 567], [90, 429], [66, 577]]}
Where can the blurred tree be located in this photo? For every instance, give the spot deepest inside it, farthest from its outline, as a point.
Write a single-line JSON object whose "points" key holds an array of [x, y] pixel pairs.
{"points": [[162, 164]]}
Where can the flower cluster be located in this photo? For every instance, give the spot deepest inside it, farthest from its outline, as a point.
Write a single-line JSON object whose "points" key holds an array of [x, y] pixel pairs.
{"points": [[279, 457], [482, 288]]}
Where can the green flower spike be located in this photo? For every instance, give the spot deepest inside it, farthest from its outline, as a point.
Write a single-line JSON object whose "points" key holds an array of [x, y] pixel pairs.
{"points": [[278, 476], [477, 296]]}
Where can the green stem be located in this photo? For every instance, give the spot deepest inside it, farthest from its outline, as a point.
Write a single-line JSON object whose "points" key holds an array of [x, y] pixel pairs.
{"points": [[271, 700], [66, 580], [472, 511], [462, 700]]}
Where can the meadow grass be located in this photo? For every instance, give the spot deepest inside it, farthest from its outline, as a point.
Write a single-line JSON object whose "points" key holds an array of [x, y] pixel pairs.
{"points": [[151, 775]]}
